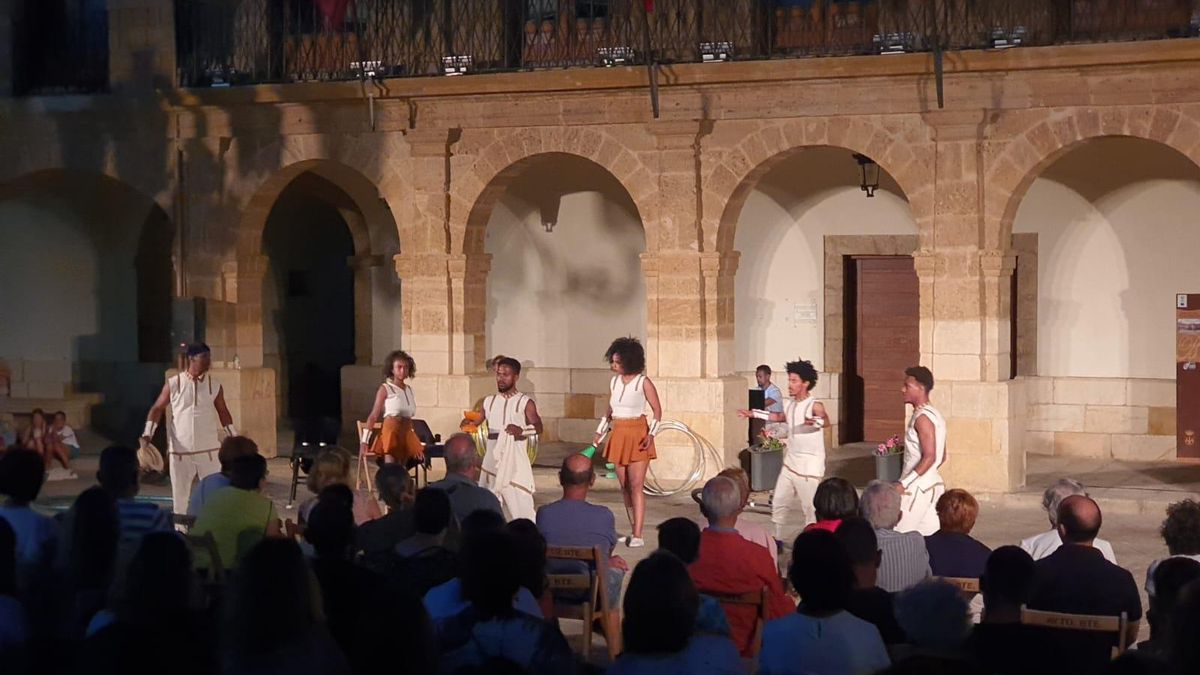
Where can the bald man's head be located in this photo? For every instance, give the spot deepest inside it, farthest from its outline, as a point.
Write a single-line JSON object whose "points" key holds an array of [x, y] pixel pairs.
{"points": [[576, 471], [1078, 519], [460, 454]]}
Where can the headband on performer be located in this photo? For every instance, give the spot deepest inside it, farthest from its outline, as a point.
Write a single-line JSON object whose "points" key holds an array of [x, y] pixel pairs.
{"points": [[197, 348]]}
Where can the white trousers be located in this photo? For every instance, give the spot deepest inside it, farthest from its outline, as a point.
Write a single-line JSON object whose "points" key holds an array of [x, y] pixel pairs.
{"points": [[516, 503], [185, 470], [918, 511], [792, 491]]}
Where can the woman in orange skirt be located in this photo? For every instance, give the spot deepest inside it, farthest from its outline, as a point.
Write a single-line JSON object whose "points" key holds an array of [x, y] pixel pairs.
{"points": [[397, 403], [631, 444]]}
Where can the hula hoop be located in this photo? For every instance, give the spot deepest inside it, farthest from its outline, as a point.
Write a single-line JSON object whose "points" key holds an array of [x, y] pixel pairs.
{"points": [[703, 452]]}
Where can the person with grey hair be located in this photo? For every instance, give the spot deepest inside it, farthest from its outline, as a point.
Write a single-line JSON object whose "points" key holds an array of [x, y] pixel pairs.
{"points": [[934, 617], [731, 565], [396, 490], [462, 474], [1041, 545], [905, 560]]}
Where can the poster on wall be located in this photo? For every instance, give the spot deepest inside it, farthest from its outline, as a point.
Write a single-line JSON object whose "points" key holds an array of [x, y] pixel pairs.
{"points": [[1187, 374]]}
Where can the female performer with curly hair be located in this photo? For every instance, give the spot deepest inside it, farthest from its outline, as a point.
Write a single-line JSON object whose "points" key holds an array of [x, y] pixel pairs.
{"points": [[631, 444], [397, 404]]}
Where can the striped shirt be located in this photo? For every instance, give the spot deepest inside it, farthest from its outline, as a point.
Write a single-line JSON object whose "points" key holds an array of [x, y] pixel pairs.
{"points": [[905, 559], [140, 518]]}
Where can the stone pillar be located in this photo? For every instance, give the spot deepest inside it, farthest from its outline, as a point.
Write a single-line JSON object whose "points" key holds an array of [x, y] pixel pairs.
{"points": [[364, 267], [965, 315], [247, 296], [141, 44]]}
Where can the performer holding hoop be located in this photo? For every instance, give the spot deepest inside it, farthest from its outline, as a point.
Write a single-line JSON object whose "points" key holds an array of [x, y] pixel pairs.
{"points": [[397, 403], [513, 426], [921, 482], [631, 444], [198, 411], [804, 461]]}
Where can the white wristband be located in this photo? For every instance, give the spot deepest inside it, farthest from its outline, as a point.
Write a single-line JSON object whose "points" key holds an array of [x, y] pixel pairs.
{"points": [[529, 430], [819, 422], [365, 436], [602, 428], [653, 427], [150, 428], [908, 480], [230, 431], [760, 415]]}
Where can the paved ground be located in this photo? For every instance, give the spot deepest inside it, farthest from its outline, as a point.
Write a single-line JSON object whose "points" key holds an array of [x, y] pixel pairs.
{"points": [[1132, 496]]}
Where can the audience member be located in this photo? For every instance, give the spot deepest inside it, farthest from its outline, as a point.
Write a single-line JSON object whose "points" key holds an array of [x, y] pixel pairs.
{"points": [[490, 633], [531, 551], [750, 531], [231, 448], [821, 636], [118, 476], [21, 477], [395, 488], [62, 433], [88, 559], [1041, 545], [659, 628], [55, 444], [1184, 648], [681, 537], [834, 501], [1006, 585], [868, 601], [422, 561], [462, 479], [1181, 532], [1170, 578], [238, 516], [905, 561], [933, 615], [572, 521], [1077, 579], [332, 466], [273, 625], [728, 564], [952, 550], [14, 625]]}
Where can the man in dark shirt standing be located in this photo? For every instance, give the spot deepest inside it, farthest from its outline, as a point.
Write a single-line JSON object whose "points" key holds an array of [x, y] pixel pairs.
{"points": [[1078, 580]]}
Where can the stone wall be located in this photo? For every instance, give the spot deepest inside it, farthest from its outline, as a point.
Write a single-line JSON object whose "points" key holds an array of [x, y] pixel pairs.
{"points": [[1117, 418]]}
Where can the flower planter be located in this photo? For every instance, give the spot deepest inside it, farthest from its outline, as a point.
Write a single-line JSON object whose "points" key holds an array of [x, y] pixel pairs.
{"points": [[888, 467]]}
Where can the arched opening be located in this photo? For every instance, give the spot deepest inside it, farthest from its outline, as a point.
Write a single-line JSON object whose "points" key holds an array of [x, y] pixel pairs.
{"points": [[1105, 238], [825, 274], [565, 240], [87, 293]]}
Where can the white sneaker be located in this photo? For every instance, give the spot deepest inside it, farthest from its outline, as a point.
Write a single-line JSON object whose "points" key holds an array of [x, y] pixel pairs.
{"points": [[635, 542]]}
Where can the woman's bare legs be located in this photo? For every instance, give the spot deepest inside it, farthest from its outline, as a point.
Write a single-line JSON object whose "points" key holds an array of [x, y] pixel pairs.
{"points": [[635, 477]]}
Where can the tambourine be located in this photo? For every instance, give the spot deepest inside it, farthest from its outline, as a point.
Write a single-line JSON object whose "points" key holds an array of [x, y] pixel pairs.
{"points": [[477, 427]]}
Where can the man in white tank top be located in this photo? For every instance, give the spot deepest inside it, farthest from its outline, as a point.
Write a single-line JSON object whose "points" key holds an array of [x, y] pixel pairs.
{"points": [[924, 453], [804, 458], [513, 423], [198, 412]]}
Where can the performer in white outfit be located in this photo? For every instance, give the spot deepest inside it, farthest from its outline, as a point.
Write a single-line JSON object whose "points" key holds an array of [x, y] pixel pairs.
{"points": [[198, 412], [513, 425], [924, 453], [804, 458]]}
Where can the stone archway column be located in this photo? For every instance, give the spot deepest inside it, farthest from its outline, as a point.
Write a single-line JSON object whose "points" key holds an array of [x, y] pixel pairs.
{"points": [[363, 268], [250, 388], [965, 314]]}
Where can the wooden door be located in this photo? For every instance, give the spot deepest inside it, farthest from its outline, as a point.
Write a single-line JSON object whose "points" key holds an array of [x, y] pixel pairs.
{"points": [[887, 326], [1187, 375]]}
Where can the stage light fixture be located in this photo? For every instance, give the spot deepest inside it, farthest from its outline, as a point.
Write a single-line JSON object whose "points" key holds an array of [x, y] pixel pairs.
{"points": [[614, 56], [456, 64], [1004, 38], [711, 52], [893, 43]]}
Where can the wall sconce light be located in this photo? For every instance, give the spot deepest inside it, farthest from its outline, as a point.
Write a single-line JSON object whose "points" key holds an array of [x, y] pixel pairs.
{"points": [[870, 174]]}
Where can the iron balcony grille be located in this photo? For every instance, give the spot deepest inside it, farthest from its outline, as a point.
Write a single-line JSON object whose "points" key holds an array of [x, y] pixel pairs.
{"points": [[59, 47], [231, 42]]}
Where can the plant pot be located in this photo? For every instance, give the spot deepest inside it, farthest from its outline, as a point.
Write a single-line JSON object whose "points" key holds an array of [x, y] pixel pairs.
{"points": [[888, 467]]}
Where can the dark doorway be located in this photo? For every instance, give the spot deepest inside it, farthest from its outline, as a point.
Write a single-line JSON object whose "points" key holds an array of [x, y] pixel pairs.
{"points": [[308, 243], [882, 322]]}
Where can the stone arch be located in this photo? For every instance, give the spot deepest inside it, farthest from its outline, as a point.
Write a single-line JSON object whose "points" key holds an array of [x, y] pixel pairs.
{"points": [[497, 164], [1029, 152], [904, 151]]}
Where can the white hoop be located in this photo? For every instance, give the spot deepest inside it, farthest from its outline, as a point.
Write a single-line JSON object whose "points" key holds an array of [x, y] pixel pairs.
{"points": [[703, 451]]}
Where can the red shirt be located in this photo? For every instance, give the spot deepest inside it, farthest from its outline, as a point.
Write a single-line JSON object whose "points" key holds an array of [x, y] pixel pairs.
{"points": [[728, 564], [829, 525]]}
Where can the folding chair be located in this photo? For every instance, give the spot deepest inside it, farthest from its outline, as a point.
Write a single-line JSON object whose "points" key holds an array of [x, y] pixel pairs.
{"points": [[1080, 622], [183, 520], [596, 602], [363, 473], [433, 446], [758, 599], [311, 436], [214, 574], [968, 586]]}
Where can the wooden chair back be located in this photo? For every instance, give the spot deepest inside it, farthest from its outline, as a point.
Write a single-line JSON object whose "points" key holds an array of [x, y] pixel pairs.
{"points": [[293, 530], [966, 585], [1080, 622], [757, 599], [595, 583], [183, 520], [207, 543], [363, 472]]}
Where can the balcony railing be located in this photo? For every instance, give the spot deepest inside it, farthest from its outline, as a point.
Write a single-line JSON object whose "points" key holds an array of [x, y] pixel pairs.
{"points": [[59, 46], [224, 42]]}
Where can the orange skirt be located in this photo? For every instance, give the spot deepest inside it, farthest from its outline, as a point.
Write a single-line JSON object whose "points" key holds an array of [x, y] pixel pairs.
{"points": [[398, 439], [624, 445]]}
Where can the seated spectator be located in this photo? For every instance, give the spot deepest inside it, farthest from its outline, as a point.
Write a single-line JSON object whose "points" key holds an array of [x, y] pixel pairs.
{"points": [[934, 617], [231, 448], [1076, 578], [659, 627], [154, 626], [821, 636], [395, 488], [952, 550], [834, 501], [728, 564], [490, 631], [332, 466], [1181, 532], [422, 561], [462, 479], [1170, 577], [14, 625], [21, 477], [447, 600], [905, 561], [531, 549], [1041, 545], [681, 537], [118, 476], [868, 601], [88, 558], [61, 433], [1006, 585], [238, 516], [751, 531], [36, 436], [1184, 648], [273, 623], [572, 521]]}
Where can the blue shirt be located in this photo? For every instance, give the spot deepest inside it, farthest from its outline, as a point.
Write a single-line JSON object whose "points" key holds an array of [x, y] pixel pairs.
{"points": [[140, 518], [772, 392], [204, 489], [574, 522], [703, 654]]}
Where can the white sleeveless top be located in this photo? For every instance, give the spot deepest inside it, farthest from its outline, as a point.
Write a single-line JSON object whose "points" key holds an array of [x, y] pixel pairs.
{"points": [[627, 399], [501, 411], [912, 447], [805, 444], [400, 402], [193, 424]]}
